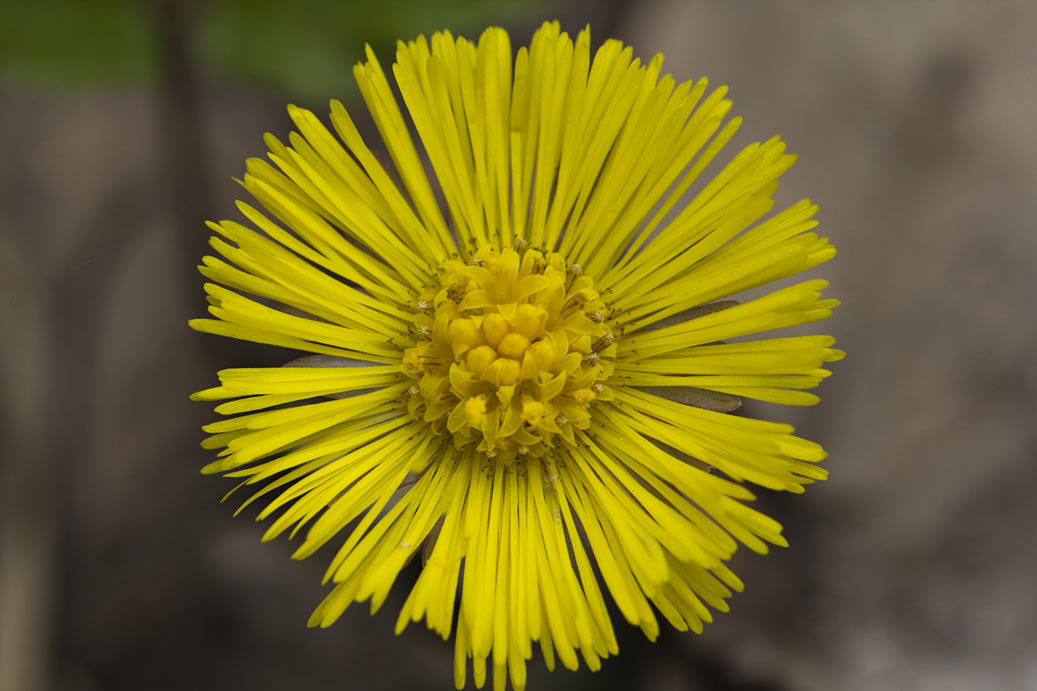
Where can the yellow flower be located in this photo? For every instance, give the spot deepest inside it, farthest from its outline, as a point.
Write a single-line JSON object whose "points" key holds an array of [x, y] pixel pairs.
{"points": [[529, 381]]}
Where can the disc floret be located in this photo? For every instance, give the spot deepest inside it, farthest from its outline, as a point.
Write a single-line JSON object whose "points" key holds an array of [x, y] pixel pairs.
{"points": [[508, 351]]}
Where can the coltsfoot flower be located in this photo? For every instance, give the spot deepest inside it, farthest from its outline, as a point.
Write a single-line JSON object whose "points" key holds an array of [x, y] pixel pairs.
{"points": [[529, 382]]}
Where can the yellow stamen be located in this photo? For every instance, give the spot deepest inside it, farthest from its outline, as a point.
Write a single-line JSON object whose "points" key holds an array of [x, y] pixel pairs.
{"points": [[584, 396], [487, 370], [412, 361], [544, 354], [510, 370], [529, 319], [479, 359], [532, 409], [475, 409], [464, 331], [513, 345], [495, 327]]}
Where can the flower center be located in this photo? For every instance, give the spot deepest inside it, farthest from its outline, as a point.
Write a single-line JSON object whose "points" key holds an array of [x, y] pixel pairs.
{"points": [[509, 351]]}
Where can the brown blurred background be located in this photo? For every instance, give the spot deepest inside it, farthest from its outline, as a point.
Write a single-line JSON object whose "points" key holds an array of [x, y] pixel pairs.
{"points": [[121, 124]]}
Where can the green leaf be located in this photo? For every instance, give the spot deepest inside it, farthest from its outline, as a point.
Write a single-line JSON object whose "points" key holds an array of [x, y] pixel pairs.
{"points": [[76, 42], [308, 48], [305, 49]]}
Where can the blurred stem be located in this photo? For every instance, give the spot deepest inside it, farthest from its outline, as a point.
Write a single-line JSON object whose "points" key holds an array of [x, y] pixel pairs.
{"points": [[48, 357], [28, 531], [608, 16], [180, 128]]}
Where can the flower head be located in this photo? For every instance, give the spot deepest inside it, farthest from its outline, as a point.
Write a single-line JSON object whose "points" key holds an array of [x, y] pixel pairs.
{"points": [[531, 389]]}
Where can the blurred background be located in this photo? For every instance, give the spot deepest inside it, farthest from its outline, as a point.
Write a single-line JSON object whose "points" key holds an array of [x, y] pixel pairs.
{"points": [[121, 125]]}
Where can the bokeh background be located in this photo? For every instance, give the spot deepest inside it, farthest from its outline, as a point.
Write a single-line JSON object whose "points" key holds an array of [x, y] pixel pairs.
{"points": [[121, 125]]}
